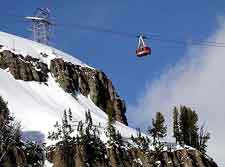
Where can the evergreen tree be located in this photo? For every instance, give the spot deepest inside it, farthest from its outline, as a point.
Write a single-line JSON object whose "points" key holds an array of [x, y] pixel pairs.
{"points": [[3, 107], [89, 138], [176, 128], [111, 134], [70, 115], [138, 132], [186, 131], [141, 141], [10, 133], [10, 140], [64, 130], [158, 131], [188, 126], [80, 128], [88, 121], [203, 138], [114, 136], [34, 154]]}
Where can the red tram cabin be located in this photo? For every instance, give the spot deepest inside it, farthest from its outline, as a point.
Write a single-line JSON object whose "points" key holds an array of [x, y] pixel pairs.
{"points": [[143, 49]]}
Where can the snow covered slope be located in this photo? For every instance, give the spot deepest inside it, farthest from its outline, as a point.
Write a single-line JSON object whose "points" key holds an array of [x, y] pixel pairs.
{"points": [[27, 47], [37, 105]]}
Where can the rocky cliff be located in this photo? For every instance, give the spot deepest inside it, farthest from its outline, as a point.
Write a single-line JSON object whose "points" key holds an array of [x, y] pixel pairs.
{"points": [[24, 68], [72, 78], [94, 84], [78, 156]]}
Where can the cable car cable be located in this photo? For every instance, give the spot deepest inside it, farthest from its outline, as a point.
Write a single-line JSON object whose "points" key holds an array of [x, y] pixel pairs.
{"points": [[149, 37]]}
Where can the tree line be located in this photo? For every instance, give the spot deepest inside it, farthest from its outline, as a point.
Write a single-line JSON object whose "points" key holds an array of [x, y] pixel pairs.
{"points": [[186, 131]]}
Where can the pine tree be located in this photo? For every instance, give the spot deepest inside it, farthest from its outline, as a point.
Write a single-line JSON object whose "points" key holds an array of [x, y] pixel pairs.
{"points": [[89, 121], [10, 133], [188, 126], [89, 138], [158, 131], [64, 130], [70, 115], [4, 112], [203, 138], [111, 134], [141, 141], [114, 136], [119, 139], [3, 106], [80, 128], [189, 132], [34, 154], [176, 128]]}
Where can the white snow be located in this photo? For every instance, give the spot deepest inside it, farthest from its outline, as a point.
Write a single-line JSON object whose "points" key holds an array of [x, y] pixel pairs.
{"points": [[38, 106], [48, 164], [26, 47], [138, 161]]}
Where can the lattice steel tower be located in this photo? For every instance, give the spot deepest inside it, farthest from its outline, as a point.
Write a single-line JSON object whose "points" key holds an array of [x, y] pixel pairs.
{"points": [[42, 26]]}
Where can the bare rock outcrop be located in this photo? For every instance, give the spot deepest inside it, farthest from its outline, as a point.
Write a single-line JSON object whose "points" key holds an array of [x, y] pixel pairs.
{"points": [[77, 156], [24, 68], [72, 78], [90, 82]]}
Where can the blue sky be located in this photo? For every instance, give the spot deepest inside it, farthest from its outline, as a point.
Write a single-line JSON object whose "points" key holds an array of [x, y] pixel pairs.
{"points": [[114, 54], [152, 83]]}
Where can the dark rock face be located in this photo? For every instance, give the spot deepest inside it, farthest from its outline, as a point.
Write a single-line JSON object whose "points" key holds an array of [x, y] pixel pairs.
{"points": [[14, 157], [24, 68], [78, 157], [89, 82], [72, 78], [119, 157]]}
